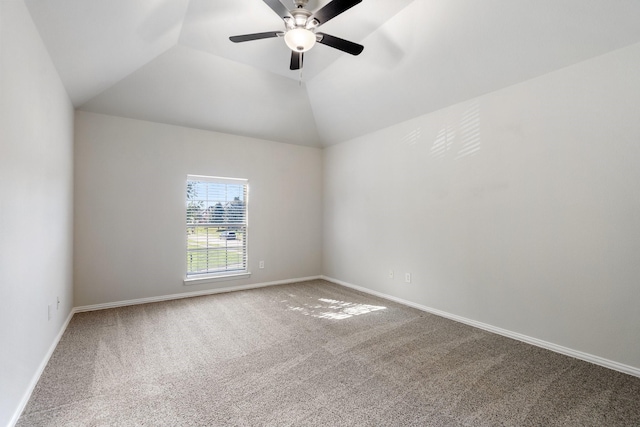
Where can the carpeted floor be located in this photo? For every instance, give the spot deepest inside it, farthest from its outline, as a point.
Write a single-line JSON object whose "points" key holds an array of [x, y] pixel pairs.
{"points": [[312, 354]]}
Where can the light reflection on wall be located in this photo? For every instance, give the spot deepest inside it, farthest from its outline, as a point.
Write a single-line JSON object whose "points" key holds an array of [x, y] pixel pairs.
{"points": [[334, 309], [412, 137], [470, 131], [443, 142], [461, 137]]}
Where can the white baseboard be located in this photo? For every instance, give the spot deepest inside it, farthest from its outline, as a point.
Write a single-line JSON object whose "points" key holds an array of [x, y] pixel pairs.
{"points": [[115, 304], [504, 332], [45, 360], [524, 338], [38, 373]]}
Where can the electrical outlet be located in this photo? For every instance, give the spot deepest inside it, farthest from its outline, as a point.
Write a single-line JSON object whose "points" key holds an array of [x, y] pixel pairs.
{"points": [[407, 277], [390, 275], [261, 264]]}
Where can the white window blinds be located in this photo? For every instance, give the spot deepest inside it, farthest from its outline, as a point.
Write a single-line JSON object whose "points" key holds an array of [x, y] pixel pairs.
{"points": [[216, 225]]}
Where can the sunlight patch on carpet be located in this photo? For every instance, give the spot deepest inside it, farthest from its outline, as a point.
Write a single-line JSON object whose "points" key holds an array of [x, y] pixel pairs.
{"points": [[334, 309]]}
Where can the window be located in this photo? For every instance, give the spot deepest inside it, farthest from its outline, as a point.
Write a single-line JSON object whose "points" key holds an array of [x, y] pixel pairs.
{"points": [[216, 226]]}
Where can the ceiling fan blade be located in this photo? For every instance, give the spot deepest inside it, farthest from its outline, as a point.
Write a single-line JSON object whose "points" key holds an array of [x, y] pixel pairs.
{"points": [[333, 9], [296, 60], [278, 7], [256, 36], [340, 44]]}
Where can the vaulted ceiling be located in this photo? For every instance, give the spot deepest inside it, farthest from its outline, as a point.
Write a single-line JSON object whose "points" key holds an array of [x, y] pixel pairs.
{"points": [[171, 61]]}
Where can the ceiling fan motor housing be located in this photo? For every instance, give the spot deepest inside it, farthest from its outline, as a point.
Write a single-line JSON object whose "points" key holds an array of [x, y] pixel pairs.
{"points": [[300, 19]]}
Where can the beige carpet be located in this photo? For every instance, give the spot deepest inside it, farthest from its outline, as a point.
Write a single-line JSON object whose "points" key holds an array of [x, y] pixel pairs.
{"points": [[312, 354]]}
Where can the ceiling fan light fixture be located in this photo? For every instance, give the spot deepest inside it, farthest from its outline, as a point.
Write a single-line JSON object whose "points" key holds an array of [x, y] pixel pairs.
{"points": [[300, 28], [300, 39]]}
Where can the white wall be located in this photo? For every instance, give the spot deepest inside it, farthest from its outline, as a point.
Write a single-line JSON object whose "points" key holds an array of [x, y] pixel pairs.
{"points": [[36, 189], [520, 209], [130, 206]]}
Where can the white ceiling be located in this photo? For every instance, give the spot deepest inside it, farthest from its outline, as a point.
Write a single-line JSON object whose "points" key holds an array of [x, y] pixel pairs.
{"points": [[171, 61]]}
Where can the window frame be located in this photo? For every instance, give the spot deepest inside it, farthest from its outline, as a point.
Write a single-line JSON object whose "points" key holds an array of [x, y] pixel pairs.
{"points": [[191, 277]]}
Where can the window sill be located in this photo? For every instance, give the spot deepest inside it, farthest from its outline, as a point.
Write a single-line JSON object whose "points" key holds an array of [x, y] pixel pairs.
{"points": [[218, 278]]}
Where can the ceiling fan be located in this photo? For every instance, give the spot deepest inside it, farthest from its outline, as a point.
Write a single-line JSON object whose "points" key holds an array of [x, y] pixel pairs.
{"points": [[300, 29]]}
